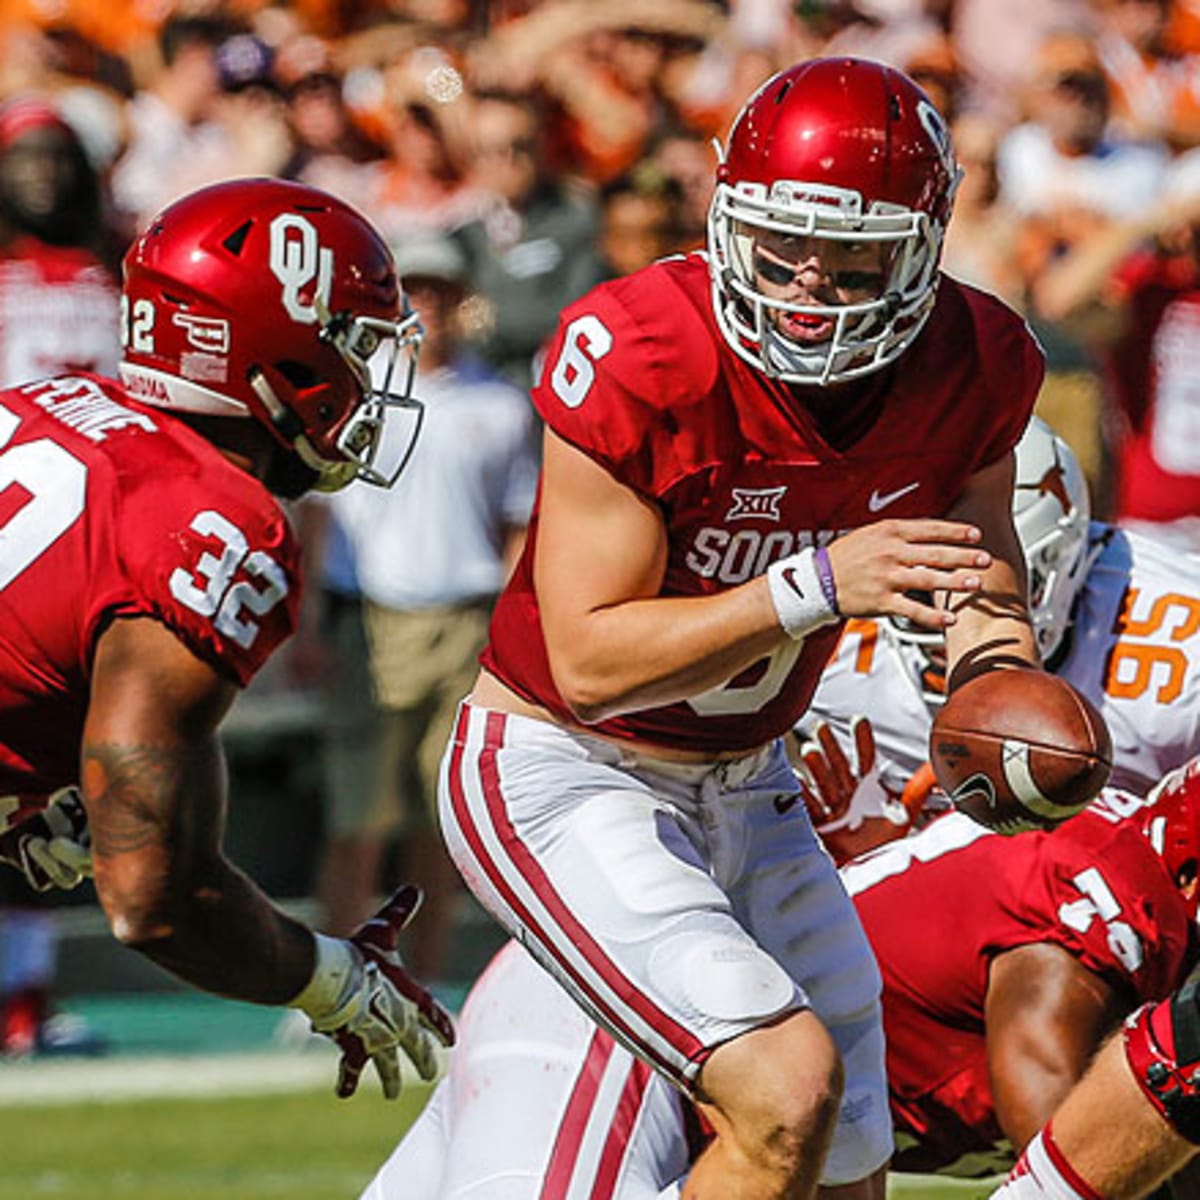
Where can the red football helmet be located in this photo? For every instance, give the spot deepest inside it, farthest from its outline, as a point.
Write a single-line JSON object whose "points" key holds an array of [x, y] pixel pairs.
{"points": [[1171, 820], [274, 301], [841, 150]]}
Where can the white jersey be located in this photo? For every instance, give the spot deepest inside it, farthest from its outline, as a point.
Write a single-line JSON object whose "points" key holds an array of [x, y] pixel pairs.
{"points": [[1135, 652], [1133, 649]]}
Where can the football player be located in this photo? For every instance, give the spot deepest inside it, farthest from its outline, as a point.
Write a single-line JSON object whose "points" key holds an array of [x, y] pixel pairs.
{"points": [[1117, 613], [147, 572], [742, 448], [1133, 1121], [993, 1005]]}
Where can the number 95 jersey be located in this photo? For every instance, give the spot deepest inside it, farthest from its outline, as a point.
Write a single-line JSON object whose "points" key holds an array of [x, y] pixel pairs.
{"points": [[111, 509]]}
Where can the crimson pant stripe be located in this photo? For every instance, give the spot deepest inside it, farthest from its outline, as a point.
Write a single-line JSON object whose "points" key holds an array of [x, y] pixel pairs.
{"points": [[529, 869], [575, 1119], [488, 865], [620, 1135], [532, 873]]}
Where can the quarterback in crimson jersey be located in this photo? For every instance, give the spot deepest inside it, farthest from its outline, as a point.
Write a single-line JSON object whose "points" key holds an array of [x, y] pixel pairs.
{"points": [[982, 1035], [146, 572], [742, 447]]}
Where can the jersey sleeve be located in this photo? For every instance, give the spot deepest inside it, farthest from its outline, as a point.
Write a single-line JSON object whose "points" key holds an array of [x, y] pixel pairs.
{"points": [[1112, 907], [218, 568], [1014, 368], [621, 363]]}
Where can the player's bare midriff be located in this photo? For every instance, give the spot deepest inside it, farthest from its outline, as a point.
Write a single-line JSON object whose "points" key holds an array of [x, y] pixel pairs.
{"points": [[490, 692]]}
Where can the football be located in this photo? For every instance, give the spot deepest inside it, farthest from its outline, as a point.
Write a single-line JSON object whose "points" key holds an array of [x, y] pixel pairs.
{"points": [[1019, 749]]}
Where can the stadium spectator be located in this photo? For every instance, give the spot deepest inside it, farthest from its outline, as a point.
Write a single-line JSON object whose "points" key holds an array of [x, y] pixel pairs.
{"points": [[616, 792], [685, 159], [993, 1006], [981, 239], [421, 185], [1131, 292], [638, 221], [329, 150], [430, 555], [534, 249], [1156, 91], [997, 43], [1067, 176], [152, 572], [168, 119], [58, 315], [1063, 169]]}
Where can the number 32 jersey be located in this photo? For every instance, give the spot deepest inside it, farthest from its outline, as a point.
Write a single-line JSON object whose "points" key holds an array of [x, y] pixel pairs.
{"points": [[640, 379], [111, 509]]}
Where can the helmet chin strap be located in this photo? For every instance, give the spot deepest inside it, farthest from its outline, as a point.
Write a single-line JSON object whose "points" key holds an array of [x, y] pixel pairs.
{"points": [[332, 477], [785, 357]]}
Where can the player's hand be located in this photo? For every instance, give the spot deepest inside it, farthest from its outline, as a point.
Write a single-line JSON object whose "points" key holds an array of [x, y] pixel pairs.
{"points": [[848, 803], [386, 1010], [892, 568], [53, 848]]}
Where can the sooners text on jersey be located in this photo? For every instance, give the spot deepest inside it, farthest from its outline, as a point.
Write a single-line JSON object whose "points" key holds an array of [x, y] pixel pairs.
{"points": [[639, 377]]}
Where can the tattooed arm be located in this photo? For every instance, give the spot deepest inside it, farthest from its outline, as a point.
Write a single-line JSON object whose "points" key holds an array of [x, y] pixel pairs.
{"points": [[154, 784]]}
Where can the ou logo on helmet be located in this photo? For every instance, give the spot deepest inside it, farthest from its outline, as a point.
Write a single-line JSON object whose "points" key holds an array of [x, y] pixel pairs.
{"points": [[297, 260]]}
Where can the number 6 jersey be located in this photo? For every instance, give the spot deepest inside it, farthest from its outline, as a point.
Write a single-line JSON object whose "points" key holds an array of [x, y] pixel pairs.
{"points": [[110, 509], [640, 378]]}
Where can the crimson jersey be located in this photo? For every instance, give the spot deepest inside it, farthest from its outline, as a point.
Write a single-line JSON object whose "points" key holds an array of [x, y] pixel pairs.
{"points": [[1094, 887], [1152, 372], [640, 378], [112, 509], [58, 312]]}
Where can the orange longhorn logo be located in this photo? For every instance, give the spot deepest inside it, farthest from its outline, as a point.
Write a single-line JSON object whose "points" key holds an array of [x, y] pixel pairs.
{"points": [[1053, 483]]}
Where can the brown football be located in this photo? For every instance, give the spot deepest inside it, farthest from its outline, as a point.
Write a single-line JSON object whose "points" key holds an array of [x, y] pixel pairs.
{"points": [[1019, 749]]}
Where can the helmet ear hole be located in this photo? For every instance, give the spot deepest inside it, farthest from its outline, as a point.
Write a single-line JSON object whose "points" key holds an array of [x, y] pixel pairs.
{"points": [[300, 375]]}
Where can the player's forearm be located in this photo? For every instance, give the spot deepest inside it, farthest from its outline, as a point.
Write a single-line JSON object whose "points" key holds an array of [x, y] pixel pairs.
{"points": [[993, 630], [646, 653], [156, 815], [227, 937]]}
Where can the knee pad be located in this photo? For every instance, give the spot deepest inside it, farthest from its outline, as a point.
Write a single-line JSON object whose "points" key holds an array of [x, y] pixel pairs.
{"points": [[1162, 1046]]}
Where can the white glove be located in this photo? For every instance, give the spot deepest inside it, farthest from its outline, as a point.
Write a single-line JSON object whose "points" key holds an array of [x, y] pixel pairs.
{"points": [[841, 796], [53, 848], [363, 998]]}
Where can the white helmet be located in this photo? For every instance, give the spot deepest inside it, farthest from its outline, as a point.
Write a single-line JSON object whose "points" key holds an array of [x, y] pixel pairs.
{"points": [[1051, 511]]}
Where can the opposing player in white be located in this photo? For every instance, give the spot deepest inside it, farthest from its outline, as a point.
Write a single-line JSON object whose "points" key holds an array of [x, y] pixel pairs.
{"points": [[1117, 614]]}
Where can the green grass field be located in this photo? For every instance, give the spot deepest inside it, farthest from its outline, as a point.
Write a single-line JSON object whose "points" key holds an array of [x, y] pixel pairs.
{"points": [[299, 1146], [302, 1146]]}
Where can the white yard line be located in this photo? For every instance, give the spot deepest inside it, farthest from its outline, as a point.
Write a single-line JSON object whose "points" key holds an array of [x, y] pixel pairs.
{"points": [[69, 1081]]}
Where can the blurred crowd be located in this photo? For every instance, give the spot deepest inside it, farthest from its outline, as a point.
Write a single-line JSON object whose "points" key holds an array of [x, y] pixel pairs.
{"points": [[565, 141], [519, 152]]}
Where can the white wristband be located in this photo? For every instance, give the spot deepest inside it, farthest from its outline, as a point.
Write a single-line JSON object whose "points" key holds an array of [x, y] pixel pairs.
{"points": [[796, 592], [334, 976]]}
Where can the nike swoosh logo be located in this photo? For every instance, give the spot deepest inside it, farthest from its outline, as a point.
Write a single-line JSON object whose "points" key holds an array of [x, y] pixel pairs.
{"points": [[789, 577], [877, 501]]}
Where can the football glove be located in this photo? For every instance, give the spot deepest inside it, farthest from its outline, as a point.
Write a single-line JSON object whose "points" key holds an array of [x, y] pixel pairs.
{"points": [[850, 806], [53, 847], [362, 997]]}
